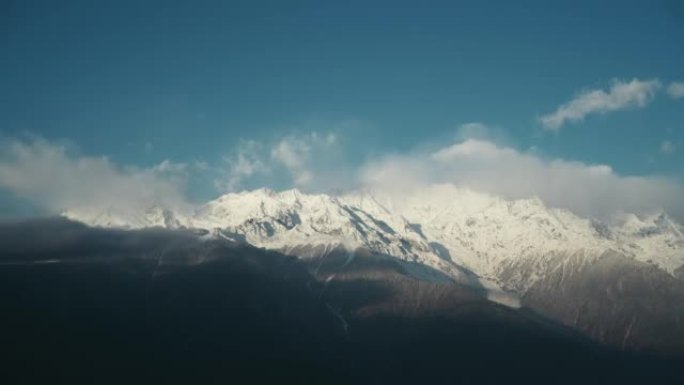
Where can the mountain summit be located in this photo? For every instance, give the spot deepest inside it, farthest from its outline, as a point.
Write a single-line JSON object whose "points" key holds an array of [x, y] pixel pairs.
{"points": [[619, 282], [447, 228]]}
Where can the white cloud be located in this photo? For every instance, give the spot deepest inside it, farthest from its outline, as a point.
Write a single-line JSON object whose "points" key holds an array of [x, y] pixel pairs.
{"points": [[168, 167], [477, 159], [587, 189], [56, 179], [244, 164], [667, 147], [478, 130], [480, 149], [676, 90], [299, 158], [621, 95], [305, 156], [294, 153]]}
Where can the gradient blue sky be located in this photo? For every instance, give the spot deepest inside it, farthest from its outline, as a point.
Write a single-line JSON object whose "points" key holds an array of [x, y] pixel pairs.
{"points": [[144, 81]]}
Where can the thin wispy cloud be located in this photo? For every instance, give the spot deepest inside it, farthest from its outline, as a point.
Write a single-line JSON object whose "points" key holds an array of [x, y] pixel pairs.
{"points": [[169, 167], [621, 95], [667, 147], [244, 164], [300, 159], [294, 154], [676, 90]]}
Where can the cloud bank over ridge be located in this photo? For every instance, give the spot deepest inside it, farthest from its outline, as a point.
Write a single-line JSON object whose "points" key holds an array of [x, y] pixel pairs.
{"points": [[56, 179], [592, 190]]}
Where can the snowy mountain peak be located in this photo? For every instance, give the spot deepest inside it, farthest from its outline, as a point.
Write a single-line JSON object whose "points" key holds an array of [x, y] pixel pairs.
{"points": [[291, 218], [450, 229]]}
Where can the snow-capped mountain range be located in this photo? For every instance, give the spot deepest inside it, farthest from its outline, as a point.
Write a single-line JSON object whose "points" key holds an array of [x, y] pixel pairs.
{"points": [[458, 232]]}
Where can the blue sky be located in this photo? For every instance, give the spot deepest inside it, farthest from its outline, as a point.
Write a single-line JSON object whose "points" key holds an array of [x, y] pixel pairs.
{"points": [[192, 82]]}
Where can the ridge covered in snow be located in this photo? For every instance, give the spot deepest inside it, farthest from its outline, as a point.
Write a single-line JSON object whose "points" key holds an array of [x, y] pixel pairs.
{"points": [[450, 229]]}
